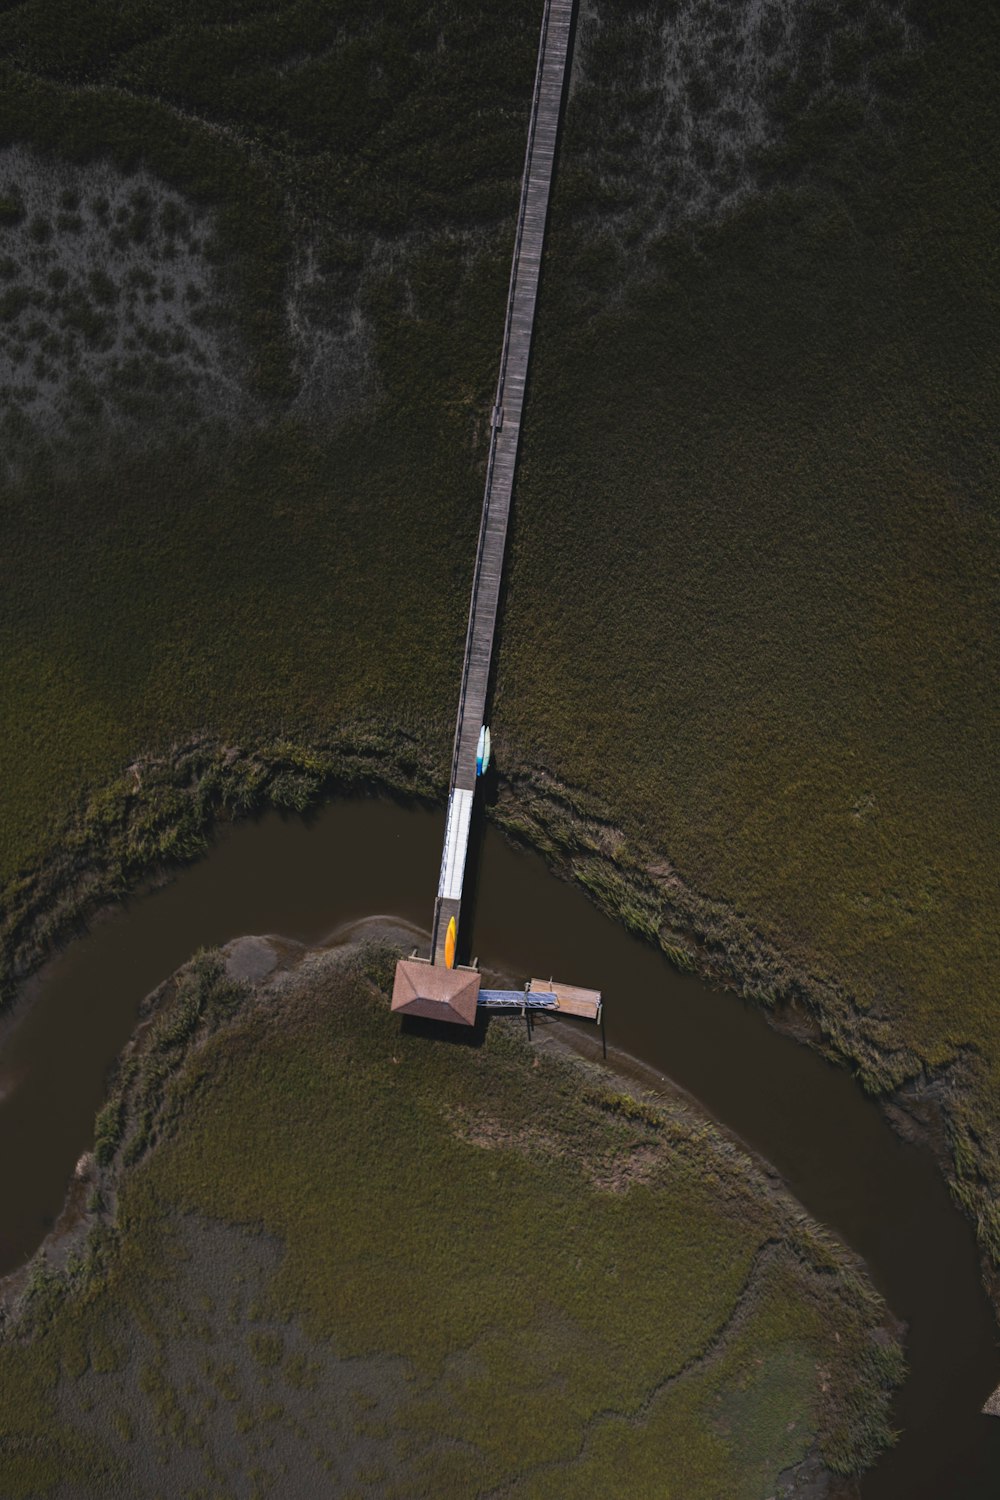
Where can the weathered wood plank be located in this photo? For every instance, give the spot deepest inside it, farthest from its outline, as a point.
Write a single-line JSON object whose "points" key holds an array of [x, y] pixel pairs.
{"points": [[571, 999]]}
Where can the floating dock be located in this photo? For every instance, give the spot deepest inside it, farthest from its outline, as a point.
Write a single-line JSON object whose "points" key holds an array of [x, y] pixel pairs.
{"points": [[570, 999], [548, 995]]}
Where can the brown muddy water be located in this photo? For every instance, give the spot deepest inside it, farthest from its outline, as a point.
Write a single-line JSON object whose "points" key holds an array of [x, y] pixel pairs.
{"points": [[303, 880]]}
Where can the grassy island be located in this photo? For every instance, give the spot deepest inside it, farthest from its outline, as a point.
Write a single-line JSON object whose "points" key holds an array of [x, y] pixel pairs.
{"points": [[325, 1251]]}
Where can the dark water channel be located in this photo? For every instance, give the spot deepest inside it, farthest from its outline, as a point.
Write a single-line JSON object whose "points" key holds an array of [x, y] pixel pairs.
{"points": [[359, 858]]}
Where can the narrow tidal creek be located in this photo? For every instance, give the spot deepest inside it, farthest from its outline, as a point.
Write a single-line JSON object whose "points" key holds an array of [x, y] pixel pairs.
{"points": [[359, 858]]}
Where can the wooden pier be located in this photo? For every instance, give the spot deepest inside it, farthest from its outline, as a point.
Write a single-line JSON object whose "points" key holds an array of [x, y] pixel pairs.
{"points": [[505, 431], [437, 988]]}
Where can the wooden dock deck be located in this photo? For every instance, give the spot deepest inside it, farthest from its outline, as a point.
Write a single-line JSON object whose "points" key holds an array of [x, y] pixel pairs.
{"points": [[543, 126], [570, 999]]}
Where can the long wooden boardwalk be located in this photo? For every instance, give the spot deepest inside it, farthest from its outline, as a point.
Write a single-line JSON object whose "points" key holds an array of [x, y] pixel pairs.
{"points": [[553, 58]]}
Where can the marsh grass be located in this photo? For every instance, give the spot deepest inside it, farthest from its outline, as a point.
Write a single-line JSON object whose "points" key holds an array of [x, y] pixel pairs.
{"points": [[754, 565]]}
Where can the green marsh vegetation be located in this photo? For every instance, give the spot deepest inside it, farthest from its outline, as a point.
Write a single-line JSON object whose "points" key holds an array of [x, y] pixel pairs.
{"points": [[361, 261], [349, 1254]]}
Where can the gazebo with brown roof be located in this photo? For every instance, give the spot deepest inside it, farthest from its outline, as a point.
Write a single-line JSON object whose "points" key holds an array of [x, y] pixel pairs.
{"points": [[436, 993]]}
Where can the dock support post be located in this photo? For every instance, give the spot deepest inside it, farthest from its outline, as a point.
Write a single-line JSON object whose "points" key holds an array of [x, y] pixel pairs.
{"points": [[604, 1039]]}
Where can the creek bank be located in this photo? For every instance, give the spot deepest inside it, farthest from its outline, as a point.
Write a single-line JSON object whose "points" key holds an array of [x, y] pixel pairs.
{"points": [[933, 1107], [161, 811]]}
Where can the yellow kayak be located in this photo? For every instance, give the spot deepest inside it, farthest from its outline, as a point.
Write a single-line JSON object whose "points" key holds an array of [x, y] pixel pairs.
{"points": [[450, 939]]}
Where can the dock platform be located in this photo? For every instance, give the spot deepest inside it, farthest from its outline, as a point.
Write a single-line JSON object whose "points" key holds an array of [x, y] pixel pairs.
{"points": [[546, 994], [570, 999]]}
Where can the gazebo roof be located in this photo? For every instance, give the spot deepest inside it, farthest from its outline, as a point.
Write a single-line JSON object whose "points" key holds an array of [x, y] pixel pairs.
{"points": [[439, 994]]}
